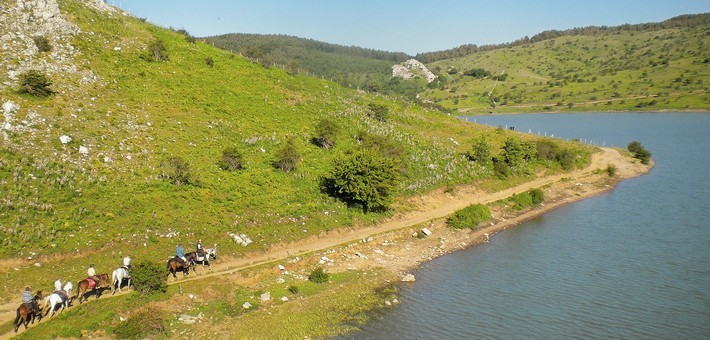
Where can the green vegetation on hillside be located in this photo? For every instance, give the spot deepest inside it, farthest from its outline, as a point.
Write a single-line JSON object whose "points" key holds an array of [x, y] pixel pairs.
{"points": [[639, 67]]}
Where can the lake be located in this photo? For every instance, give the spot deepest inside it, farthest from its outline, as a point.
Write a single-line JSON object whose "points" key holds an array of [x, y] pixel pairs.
{"points": [[631, 263]]}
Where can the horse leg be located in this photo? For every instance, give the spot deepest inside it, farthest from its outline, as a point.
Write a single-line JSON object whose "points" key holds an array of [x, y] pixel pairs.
{"points": [[16, 323]]}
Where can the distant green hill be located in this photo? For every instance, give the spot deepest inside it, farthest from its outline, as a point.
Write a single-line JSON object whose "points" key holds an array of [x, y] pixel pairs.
{"points": [[348, 65], [632, 67]]}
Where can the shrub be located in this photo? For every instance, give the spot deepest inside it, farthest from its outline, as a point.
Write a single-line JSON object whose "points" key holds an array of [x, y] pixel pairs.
{"points": [[326, 133], [381, 145], [364, 178], [481, 152], [287, 157], [209, 61], [231, 159], [611, 170], [639, 152], [566, 158], [378, 111], [35, 83], [319, 275], [42, 43], [144, 323], [156, 52], [293, 289], [469, 217], [530, 198], [149, 277], [177, 171]]}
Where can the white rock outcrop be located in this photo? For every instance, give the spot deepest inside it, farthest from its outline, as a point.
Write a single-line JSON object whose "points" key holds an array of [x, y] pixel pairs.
{"points": [[412, 68]]}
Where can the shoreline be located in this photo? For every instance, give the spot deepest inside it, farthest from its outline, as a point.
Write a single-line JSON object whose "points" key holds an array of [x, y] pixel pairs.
{"points": [[376, 258]]}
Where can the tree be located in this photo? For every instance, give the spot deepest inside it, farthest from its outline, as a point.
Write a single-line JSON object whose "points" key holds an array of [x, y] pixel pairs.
{"points": [[35, 83], [156, 52], [481, 152], [231, 159], [287, 157], [177, 171], [365, 178], [147, 278], [326, 133], [378, 111], [639, 152]]}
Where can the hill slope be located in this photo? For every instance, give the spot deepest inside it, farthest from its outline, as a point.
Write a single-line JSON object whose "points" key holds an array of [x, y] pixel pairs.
{"points": [[149, 114], [632, 67]]}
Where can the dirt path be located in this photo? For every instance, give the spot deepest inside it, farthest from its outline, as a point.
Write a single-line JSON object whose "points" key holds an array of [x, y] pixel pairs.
{"points": [[428, 207]]}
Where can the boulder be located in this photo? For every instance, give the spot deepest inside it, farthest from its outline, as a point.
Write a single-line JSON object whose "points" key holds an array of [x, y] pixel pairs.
{"points": [[426, 231], [64, 139], [265, 297], [408, 278], [246, 305]]}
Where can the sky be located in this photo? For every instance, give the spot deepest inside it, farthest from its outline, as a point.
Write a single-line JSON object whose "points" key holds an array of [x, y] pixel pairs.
{"points": [[410, 26]]}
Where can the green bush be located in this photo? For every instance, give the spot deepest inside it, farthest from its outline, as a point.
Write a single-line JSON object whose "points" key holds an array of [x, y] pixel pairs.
{"points": [[209, 61], [293, 289], [42, 43], [481, 152], [149, 277], [365, 178], [177, 171], [639, 152], [326, 133], [156, 52], [231, 159], [144, 323], [469, 217], [287, 157], [611, 170], [530, 198], [35, 83], [319, 275], [378, 111]]}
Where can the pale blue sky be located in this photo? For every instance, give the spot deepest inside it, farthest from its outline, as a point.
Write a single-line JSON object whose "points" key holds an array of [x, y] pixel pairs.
{"points": [[410, 26]]}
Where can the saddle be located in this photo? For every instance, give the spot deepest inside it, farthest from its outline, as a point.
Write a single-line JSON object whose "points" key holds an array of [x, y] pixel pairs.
{"points": [[31, 307], [92, 282], [61, 293]]}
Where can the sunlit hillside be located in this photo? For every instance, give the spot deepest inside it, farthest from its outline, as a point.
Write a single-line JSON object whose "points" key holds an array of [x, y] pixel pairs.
{"points": [[125, 155]]}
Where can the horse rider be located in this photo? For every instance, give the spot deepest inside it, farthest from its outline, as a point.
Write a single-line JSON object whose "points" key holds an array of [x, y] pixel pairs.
{"points": [[91, 272], [59, 289], [199, 250], [127, 262], [29, 299], [180, 252]]}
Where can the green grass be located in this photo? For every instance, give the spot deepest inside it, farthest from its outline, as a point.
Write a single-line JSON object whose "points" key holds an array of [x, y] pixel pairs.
{"points": [[660, 69]]}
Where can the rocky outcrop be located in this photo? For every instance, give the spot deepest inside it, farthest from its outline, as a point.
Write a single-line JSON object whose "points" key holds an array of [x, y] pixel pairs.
{"points": [[412, 69]]}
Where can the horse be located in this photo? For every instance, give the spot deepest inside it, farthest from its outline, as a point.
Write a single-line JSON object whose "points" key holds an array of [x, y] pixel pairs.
{"points": [[117, 277], [25, 313], [210, 254], [176, 264], [85, 286], [58, 298]]}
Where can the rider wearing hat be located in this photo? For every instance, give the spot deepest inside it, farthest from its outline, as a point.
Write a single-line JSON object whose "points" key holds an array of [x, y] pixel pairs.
{"points": [[198, 249], [28, 298], [91, 272]]}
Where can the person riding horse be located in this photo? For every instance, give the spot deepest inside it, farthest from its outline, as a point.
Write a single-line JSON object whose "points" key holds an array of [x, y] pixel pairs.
{"points": [[91, 272], [199, 250], [127, 262], [58, 288], [180, 252], [29, 299]]}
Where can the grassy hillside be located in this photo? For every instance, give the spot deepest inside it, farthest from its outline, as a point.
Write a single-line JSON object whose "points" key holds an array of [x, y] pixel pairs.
{"points": [[649, 67], [134, 116], [348, 65]]}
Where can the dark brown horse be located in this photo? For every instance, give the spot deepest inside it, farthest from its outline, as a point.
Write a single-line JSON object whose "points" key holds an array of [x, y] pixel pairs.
{"points": [[26, 312], [84, 287], [176, 264]]}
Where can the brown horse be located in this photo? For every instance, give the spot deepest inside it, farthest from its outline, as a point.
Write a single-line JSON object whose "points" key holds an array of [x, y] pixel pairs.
{"points": [[27, 313], [176, 264], [84, 287]]}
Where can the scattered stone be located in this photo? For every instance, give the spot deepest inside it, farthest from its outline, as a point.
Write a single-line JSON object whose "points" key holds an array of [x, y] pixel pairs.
{"points": [[83, 150], [188, 319], [408, 278], [281, 267], [280, 280], [64, 139], [265, 297], [37, 264], [387, 303], [426, 232], [284, 298], [246, 305]]}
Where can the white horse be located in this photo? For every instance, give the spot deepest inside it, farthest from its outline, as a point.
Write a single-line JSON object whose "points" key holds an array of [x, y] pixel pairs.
{"points": [[119, 274], [57, 299], [210, 254]]}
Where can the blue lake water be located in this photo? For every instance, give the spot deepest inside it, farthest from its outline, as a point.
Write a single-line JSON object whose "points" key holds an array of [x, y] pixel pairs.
{"points": [[632, 263]]}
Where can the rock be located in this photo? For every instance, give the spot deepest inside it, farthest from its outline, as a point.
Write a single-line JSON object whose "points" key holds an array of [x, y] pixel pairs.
{"points": [[246, 305], [187, 319], [37, 264], [408, 278], [387, 303], [10, 107], [83, 150], [426, 231], [64, 139], [280, 280], [411, 69], [281, 267], [284, 298], [265, 297]]}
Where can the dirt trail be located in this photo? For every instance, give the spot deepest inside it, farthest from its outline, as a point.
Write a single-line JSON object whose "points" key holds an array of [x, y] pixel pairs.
{"points": [[428, 207]]}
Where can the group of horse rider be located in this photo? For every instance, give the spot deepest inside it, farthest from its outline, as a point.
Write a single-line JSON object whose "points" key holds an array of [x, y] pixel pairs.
{"points": [[65, 290], [199, 251]]}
